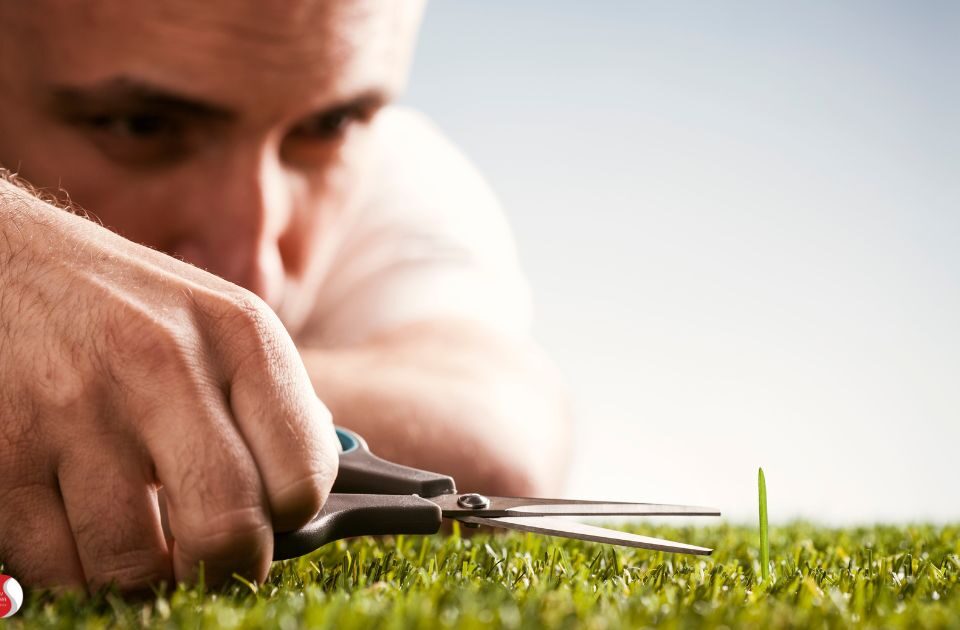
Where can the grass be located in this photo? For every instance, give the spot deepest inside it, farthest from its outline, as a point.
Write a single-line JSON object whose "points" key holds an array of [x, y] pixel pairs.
{"points": [[764, 528], [890, 577]]}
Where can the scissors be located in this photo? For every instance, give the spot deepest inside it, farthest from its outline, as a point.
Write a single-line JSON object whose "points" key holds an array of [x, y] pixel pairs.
{"points": [[372, 496]]}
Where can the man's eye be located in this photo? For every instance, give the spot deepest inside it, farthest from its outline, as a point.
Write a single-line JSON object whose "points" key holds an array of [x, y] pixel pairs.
{"points": [[329, 126], [144, 126], [138, 139]]}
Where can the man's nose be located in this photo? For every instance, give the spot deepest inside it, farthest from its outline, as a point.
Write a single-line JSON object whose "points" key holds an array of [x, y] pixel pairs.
{"points": [[240, 215]]}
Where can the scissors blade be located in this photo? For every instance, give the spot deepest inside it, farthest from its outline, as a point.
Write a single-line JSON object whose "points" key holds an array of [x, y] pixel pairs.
{"points": [[581, 531], [523, 506]]}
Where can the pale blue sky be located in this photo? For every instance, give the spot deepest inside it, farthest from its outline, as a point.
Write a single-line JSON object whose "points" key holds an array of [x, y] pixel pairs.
{"points": [[741, 223]]}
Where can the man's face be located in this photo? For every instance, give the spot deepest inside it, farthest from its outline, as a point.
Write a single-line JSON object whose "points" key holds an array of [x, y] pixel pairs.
{"points": [[229, 133]]}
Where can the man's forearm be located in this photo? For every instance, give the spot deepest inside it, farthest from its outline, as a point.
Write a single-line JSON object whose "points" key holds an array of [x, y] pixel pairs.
{"points": [[452, 398], [14, 204]]}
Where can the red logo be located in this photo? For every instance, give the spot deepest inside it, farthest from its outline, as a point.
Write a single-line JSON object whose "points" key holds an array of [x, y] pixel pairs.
{"points": [[11, 596]]}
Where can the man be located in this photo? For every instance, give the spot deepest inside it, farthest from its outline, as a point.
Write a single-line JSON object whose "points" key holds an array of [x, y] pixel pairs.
{"points": [[339, 251]]}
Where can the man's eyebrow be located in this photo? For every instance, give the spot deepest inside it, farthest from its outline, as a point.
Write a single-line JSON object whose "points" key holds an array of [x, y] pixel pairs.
{"points": [[371, 98], [72, 102]]}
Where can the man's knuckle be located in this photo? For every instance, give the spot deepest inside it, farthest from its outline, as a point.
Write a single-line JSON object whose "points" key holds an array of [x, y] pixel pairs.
{"points": [[128, 570], [94, 536], [254, 332], [248, 314], [225, 534], [307, 493], [322, 414]]}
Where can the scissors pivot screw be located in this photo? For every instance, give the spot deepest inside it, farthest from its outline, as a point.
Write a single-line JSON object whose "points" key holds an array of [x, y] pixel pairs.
{"points": [[473, 501]]}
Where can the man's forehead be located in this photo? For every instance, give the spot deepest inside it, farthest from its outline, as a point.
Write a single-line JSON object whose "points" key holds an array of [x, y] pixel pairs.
{"points": [[230, 50]]}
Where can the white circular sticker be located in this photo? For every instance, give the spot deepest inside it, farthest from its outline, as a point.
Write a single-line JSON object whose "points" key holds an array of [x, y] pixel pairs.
{"points": [[11, 596]]}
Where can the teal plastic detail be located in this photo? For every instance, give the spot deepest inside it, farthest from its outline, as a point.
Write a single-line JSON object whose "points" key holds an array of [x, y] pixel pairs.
{"points": [[347, 441]]}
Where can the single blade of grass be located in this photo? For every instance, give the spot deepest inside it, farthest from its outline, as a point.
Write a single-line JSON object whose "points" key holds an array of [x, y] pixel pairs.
{"points": [[764, 537]]}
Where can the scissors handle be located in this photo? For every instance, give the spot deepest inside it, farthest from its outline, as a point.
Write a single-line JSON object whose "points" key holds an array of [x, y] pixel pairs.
{"points": [[362, 472], [348, 515]]}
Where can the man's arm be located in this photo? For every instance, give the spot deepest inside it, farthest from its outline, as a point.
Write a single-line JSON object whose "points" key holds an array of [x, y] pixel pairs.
{"points": [[420, 339], [452, 397]]}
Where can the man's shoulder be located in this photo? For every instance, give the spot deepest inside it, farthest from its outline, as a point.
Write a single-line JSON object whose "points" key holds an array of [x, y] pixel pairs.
{"points": [[429, 240], [419, 170], [400, 121], [403, 129]]}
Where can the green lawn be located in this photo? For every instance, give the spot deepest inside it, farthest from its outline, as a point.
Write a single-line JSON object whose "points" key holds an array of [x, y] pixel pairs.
{"points": [[899, 577]]}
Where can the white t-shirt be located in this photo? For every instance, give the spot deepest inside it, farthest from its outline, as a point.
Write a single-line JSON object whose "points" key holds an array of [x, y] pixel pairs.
{"points": [[430, 241]]}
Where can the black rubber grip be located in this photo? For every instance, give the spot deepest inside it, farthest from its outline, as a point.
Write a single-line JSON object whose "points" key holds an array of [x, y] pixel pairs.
{"points": [[348, 515], [362, 472]]}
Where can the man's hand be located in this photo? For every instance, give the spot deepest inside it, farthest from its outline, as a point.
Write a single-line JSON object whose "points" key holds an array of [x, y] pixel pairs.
{"points": [[123, 370]]}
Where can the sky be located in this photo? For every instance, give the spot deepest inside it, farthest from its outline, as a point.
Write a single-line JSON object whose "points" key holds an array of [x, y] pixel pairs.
{"points": [[741, 226]]}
